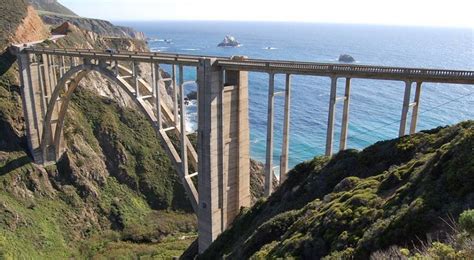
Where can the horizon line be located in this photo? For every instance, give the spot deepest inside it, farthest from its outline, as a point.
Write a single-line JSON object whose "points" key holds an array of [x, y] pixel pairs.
{"points": [[301, 22]]}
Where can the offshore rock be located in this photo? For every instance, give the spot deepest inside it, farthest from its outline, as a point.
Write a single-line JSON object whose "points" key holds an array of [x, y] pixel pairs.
{"points": [[229, 41], [346, 58]]}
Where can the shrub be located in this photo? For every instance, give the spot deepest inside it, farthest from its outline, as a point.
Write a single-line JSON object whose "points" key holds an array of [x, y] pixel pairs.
{"points": [[466, 221], [439, 250]]}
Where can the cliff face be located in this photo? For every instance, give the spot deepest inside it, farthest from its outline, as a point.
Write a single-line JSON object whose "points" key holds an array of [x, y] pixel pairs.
{"points": [[100, 27], [401, 192], [55, 14], [19, 23], [30, 29]]}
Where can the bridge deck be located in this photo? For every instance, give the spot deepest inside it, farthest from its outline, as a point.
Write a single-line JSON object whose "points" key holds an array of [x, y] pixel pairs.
{"points": [[279, 66]]}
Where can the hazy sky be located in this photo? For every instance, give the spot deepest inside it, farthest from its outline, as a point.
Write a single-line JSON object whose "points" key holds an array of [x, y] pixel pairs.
{"points": [[401, 12]]}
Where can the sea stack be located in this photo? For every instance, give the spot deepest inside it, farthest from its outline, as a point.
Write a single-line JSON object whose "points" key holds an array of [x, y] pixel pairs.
{"points": [[229, 41], [346, 58]]}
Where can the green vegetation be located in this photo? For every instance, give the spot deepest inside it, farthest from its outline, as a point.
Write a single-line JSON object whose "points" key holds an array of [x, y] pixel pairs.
{"points": [[132, 151], [84, 207], [354, 204], [466, 221]]}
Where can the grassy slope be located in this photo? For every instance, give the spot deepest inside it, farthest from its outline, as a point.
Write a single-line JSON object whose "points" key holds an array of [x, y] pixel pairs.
{"points": [[42, 214], [353, 204], [132, 150]]}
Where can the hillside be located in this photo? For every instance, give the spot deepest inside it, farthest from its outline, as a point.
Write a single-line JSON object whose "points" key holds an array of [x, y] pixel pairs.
{"points": [[19, 23], [51, 6], [400, 192]]}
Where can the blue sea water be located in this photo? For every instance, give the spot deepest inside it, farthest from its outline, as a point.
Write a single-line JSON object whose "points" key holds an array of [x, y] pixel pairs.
{"points": [[375, 105]]}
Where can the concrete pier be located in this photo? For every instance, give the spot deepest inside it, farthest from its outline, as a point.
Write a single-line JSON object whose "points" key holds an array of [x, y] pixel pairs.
{"points": [[269, 154], [223, 148]]}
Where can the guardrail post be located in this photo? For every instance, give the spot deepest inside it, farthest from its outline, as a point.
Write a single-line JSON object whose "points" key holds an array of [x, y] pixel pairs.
{"points": [[331, 116], [405, 108], [345, 116], [269, 153]]}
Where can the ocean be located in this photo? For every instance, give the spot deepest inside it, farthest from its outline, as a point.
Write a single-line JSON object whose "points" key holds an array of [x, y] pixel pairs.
{"points": [[375, 105]]}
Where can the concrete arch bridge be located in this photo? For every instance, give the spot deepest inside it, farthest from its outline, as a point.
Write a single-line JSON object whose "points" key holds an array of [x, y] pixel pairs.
{"points": [[221, 161]]}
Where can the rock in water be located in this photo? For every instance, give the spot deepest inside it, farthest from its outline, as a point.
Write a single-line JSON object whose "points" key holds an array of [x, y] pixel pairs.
{"points": [[229, 41], [192, 95], [346, 58]]}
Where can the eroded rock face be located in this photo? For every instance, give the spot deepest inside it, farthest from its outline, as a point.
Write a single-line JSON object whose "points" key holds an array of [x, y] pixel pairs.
{"points": [[31, 29]]}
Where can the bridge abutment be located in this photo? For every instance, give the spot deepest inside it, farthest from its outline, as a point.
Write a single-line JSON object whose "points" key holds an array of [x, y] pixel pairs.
{"points": [[223, 148], [37, 79]]}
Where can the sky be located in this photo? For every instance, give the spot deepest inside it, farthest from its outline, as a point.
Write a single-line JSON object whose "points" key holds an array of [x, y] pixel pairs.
{"points": [[446, 13]]}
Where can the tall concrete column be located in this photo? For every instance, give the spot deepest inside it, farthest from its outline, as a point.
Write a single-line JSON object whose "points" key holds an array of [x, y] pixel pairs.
{"points": [[28, 78], [416, 108], [286, 131], [269, 155], [345, 116], [175, 96], [223, 149], [331, 117], [405, 109]]}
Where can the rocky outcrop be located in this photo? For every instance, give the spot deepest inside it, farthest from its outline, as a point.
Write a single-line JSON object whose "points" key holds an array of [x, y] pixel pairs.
{"points": [[257, 180], [346, 58], [100, 27], [30, 29], [229, 41]]}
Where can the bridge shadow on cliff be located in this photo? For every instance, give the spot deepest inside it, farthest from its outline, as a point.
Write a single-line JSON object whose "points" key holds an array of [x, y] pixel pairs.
{"points": [[15, 164], [7, 59]]}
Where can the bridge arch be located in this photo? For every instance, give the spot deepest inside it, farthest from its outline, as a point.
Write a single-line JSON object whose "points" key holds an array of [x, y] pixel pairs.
{"points": [[54, 140]]}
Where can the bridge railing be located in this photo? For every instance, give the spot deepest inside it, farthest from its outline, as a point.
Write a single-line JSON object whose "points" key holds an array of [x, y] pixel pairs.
{"points": [[280, 66]]}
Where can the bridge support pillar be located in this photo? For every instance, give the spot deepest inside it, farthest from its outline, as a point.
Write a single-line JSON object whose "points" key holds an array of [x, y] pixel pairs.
{"points": [[345, 116], [269, 154], [416, 108], [286, 131], [331, 117], [36, 78], [223, 149]]}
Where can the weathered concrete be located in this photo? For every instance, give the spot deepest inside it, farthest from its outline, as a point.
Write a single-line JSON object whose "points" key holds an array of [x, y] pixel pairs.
{"points": [[224, 162], [286, 131]]}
